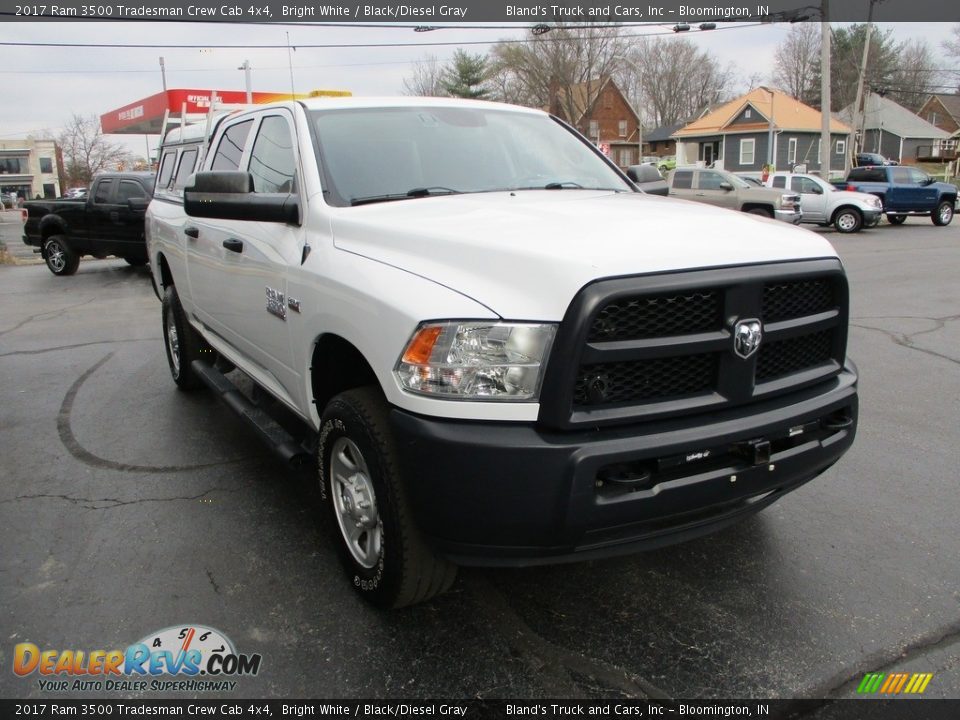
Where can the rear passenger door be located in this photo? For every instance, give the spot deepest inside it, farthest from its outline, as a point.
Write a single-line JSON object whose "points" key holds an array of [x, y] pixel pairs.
{"points": [[681, 184]]}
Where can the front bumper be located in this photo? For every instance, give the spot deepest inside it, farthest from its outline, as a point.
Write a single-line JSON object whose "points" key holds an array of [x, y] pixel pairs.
{"points": [[791, 216], [871, 217], [507, 494]]}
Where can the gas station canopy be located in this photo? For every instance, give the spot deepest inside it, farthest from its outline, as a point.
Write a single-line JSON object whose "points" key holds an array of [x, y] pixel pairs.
{"points": [[146, 116]]}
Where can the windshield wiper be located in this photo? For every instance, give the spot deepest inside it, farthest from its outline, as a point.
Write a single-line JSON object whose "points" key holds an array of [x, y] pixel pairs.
{"points": [[433, 190], [562, 185], [412, 193]]}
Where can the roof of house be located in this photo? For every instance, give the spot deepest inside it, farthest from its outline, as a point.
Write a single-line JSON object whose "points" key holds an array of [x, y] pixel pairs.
{"points": [[883, 113], [583, 95], [951, 104], [662, 133], [788, 114]]}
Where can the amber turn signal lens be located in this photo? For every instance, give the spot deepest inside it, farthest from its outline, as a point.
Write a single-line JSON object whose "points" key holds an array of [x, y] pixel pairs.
{"points": [[420, 347]]}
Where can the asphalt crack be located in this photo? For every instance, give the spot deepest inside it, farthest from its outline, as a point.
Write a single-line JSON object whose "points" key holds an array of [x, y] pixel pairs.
{"points": [[51, 313], [554, 666], [888, 659], [74, 447], [111, 503], [906, 340], [40, 351]]}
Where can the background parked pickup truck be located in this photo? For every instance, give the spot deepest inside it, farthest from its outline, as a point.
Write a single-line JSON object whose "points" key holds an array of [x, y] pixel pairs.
{"points": [[724, 189], [904, 191], [825, 205], [109, 221]]}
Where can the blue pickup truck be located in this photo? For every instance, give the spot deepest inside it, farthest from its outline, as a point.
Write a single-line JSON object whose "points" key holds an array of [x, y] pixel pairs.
{"points": [[904, 191]]}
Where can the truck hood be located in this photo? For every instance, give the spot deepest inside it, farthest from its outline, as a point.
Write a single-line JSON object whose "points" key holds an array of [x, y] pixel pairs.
{"points": [[525, 254]]}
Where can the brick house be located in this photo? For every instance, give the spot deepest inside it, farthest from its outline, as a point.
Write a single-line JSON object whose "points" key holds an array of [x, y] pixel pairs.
{"points": [[943, 111], [599, 110]]}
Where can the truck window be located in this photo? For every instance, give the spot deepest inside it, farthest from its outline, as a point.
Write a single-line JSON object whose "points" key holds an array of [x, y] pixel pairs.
{"points": [[188, 159], [803, 185], [780, 182], [272, 162], [868, 175], [900, 175], [230, 148], [129, 189], [166, 168], [103, 191], [683, 180], [709, 180], [919, 176]]}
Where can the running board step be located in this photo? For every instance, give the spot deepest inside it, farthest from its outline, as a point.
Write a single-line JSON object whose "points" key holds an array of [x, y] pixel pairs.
{"points": [[269, 430]]}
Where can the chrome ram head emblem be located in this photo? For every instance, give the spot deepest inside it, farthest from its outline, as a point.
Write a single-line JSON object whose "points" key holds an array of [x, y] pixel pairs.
{"points": [[747, 335]]}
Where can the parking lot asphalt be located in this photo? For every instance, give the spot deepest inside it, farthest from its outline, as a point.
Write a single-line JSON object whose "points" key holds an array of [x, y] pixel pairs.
{"points": [[127, 506]]}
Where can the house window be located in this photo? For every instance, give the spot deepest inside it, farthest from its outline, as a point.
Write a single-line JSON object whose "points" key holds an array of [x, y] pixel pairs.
{"points": [[626, 157], [841, 147], [46, 165], [49, 191], [594, 129], [747, 114], [792, 151], [746, 151], [623, 128]]}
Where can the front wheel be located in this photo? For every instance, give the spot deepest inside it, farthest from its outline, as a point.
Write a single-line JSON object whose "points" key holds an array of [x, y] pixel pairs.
{"points": [[762, 212], [848, 220], [897, 219], [61, 258], [386, 559], [943, 214]]}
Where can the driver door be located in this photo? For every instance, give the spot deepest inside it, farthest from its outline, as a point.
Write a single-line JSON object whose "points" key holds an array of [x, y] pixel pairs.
{"points": [[813, 199]]}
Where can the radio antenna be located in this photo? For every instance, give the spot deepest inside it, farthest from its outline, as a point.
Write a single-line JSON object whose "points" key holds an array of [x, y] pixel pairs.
{"points": [[290, 65]]}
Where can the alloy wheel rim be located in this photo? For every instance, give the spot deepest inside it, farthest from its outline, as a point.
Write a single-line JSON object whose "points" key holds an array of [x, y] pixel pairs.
{"points": [[173, 342], [55, 256]]}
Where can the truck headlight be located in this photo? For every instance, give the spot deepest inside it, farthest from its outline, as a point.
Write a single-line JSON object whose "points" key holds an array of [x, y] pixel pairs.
{"points": [[874, 201], [789, 202], [472, 360]]}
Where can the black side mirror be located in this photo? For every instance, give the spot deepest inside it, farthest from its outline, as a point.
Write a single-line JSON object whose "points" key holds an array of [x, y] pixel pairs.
{"points": [[724, 185], [229, 195]]}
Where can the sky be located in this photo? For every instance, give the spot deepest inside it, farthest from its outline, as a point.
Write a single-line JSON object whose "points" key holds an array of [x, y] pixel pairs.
{"points": [[40, 87]]}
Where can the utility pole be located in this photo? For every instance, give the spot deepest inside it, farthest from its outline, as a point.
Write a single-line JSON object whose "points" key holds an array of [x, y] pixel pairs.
{"points": [[163, 73], [246, 77], [859, 111], [825, 89], [771, 160]]}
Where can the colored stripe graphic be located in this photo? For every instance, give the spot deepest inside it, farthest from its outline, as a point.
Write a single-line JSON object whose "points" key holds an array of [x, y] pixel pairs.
{"points": [[894, 683]]}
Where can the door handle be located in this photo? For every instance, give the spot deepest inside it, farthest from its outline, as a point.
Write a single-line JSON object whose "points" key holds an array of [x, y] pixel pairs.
{"points": [[191, 232], [233, 245]]}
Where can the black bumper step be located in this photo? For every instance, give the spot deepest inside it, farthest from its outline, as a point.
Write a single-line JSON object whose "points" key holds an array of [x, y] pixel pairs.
{"points": [[269, 430]]}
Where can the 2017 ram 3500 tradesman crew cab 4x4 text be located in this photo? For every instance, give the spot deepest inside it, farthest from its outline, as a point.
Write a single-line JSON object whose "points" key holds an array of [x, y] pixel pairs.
{"points": [[500, 351]]}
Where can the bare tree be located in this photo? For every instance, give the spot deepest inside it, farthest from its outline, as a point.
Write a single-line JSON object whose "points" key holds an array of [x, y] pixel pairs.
{"points": [[672, 80], [952, 45], [538, 72], [426, 78], [86, 151], [915, 75], [795, 60]]}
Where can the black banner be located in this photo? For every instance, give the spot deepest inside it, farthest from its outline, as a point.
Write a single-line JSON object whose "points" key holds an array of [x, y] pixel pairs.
{"points": [[446, 12], [902, 709]]}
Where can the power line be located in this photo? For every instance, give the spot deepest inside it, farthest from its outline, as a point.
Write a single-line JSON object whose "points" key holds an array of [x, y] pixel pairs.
{"points": [[340, 46]]}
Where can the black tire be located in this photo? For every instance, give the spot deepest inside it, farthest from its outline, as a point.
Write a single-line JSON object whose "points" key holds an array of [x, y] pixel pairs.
{"points": [[387, 561], [182, 342], [61, 258], [847, 220], [896, 219], [763, 212], [943, 214], [136, 262]]}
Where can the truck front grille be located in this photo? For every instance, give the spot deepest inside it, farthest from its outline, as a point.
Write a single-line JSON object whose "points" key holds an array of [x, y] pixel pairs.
{"points": [[639, 348]]}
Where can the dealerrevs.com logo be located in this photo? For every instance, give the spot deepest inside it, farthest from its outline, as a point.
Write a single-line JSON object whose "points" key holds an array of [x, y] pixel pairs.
{"points": [[189, 658]]}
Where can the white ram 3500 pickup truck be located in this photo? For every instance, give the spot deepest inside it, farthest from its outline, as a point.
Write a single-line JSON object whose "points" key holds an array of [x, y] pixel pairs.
{"points": [[499, 350]]}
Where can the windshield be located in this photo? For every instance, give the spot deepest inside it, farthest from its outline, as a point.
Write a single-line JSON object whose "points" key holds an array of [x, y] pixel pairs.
{"points": [[375, 154], [737, 181]]}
